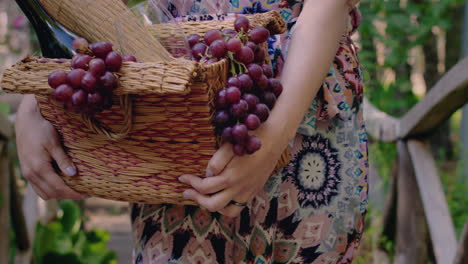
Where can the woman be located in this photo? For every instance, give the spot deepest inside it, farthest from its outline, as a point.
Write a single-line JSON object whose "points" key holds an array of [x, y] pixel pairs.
{"points": [[311, 211]]}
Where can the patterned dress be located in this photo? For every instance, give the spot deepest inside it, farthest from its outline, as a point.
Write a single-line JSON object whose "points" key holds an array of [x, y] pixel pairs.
{"points": [[312, 211]]}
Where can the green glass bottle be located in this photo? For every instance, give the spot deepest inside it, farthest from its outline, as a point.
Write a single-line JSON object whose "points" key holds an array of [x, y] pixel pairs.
{"points": [[54, 39]]}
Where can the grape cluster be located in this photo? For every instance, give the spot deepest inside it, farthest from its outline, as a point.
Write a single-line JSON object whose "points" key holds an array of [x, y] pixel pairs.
{"points": [[251, 91], [88, 87]]}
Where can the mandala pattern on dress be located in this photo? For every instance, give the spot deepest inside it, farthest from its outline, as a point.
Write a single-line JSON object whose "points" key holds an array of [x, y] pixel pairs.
{"points": [[316, 172]]}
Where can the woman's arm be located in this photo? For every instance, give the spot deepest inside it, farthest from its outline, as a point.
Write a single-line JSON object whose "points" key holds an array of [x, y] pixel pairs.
{"points": [[312, 49]]}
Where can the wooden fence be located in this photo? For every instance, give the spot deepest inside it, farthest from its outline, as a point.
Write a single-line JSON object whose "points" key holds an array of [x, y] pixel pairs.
{"points": [[416, 208]]}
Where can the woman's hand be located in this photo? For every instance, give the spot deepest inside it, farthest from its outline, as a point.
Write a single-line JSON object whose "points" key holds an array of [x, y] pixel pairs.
{"points": [[233, 178], [38, 146]]}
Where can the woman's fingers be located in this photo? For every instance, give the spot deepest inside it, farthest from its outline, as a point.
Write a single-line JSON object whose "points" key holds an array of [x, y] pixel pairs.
{"points": [[55, 186], [232, 211], [208, 185], [212, 203], [61, 158], [220, 160], [36, 187]]}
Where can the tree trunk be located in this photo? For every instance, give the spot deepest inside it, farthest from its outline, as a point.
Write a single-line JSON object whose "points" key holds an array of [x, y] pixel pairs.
{"points": [[440, 139]]}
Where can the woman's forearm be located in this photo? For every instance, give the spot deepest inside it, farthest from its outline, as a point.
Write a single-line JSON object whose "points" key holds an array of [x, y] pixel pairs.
{"points": [[28, 104], [312, 49]]}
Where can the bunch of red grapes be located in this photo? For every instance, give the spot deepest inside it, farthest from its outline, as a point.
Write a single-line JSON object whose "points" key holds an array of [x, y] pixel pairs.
{"points": [[88, 87], [251, 91]]}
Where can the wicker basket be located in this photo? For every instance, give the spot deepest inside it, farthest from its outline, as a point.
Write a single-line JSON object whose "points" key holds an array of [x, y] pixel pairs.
{"points": [[158, 129]]}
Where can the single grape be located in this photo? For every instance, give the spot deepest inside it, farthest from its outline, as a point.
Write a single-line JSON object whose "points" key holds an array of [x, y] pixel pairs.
{"points": [[221, 118], [211, 61], [246, 82], [267, 70], [101, 49], [253, 144], [269, 99], [97, 67], [241, 24], [63, 93], [113, 61], [199, 50], [95, 99], [44, 60], [239, 110], [245, 55], [71, 108], [81, 61], [251, 100], [80, 45], [233, 81], [252, 122], [221, 101], [230, 33], [239, 150], [128, 58], [262, 111], [74, 78], [252, 46], [255, 71], [259, 35], [240, 133], [89, 82], [193, 39], [234, 45], [275, 86], [259, 55], [233, 95], [227, 134], [212, 35], [218, 48], [57, 78], [262, 83], [108, 82], [88, 109], [79, 98]]}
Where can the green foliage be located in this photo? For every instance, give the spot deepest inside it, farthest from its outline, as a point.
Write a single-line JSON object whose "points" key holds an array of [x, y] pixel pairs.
{"points": [[457, 199], [5, 109], [405, 28], [372, 239], [383, 156], [132, 3], [62, 241], [12, 246]]}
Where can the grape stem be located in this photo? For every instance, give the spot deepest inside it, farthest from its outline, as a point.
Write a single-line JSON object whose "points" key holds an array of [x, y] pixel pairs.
{"points": [[232, 63]]}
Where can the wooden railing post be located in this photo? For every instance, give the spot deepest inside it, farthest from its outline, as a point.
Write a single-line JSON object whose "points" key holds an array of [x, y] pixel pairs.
{"points": [[435, 204], [462, 254], [412, 234], [5, 204]]}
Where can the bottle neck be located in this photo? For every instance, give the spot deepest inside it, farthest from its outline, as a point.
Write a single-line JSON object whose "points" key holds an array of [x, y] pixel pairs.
{"points": [[55, 40]]}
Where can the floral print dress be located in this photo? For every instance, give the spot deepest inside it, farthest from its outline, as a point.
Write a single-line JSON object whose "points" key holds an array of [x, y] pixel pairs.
{"points": [[311, 211]]}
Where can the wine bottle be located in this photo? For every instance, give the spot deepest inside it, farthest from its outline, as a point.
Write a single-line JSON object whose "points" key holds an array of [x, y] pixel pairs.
{"points": [[54, 39]]}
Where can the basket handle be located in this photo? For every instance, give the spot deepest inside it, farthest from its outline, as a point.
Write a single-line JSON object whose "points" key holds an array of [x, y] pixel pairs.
{"points": [[126, 104]]}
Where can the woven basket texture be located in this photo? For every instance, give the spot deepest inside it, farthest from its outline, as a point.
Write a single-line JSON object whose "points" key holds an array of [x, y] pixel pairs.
{"points": [[158, 128]]}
